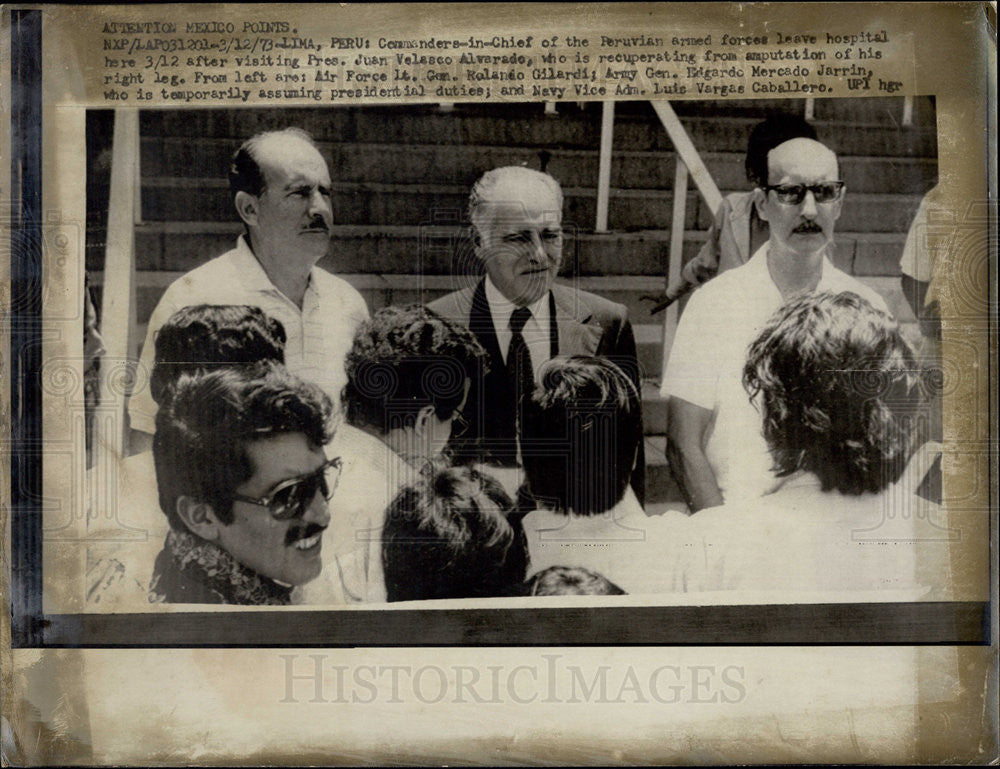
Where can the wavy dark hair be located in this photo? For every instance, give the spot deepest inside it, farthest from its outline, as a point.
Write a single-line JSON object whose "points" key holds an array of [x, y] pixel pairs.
{"points": [[406, 358], [580, 433], [202, 432], [447, 536], [205, 336], [837, 386]]}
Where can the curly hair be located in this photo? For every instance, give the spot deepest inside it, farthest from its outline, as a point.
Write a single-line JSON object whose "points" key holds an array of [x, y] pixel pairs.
{"points": [[837, 385], [448, 536], [580, 433], [571, 580], [202, 432], [206, 336], [404, 359]]}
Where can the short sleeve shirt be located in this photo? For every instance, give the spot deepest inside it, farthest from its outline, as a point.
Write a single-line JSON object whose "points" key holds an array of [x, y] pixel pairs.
{"points": [[706, 362], [318, 336]]}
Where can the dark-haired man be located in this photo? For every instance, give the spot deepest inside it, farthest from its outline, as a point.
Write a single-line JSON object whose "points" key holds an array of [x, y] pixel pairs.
{"points": [[715, 446], [280, 187], [244, 483]]}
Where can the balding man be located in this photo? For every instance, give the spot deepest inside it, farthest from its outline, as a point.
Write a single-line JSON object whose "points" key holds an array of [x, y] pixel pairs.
{"points": [[280, 187], [520, 315], [714, 441]]}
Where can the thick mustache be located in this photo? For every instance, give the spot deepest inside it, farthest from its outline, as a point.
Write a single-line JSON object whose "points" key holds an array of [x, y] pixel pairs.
{"points": [[295, 533], [808, 226], [317, 224]]}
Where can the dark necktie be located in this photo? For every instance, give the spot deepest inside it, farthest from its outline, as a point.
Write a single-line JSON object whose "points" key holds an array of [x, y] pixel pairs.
{"points": [[519, 360]]}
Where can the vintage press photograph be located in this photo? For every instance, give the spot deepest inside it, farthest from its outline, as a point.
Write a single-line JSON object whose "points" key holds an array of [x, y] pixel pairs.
{"points": [[404, 353]]}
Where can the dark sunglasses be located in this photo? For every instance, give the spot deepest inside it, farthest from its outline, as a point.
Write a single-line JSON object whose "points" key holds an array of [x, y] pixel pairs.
{"points": [[290, 499], [793, 194], [459, 424]]}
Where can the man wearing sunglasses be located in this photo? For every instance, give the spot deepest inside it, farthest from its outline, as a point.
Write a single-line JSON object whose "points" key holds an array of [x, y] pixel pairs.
{"points": [[714, 441], [244, 483]]}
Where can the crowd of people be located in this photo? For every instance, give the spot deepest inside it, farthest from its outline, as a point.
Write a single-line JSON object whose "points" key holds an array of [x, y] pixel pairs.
{"points": [[490, 443]]}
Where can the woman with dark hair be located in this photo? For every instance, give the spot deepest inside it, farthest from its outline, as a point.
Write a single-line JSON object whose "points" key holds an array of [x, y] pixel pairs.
{"points": [[839, 391]]}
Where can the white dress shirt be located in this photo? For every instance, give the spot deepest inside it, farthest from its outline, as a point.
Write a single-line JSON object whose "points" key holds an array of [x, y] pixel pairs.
{"points": [[536, 332]]}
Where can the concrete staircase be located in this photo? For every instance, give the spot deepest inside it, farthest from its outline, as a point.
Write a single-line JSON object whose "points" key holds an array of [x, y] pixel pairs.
{"points": [[402, 175]]}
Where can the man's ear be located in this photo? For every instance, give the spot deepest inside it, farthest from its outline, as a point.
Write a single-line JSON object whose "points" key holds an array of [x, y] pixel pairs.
{"points": [[199, 517], [759, 198], [246, 207]]}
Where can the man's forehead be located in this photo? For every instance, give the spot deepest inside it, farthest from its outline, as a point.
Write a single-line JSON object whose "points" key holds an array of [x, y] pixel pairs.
{"points": [[282, 457], [290, 159], [518, 213], [801, 159]]}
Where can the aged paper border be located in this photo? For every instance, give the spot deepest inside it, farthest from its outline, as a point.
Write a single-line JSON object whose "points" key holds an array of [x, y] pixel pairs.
{"points": [[577, 743]]}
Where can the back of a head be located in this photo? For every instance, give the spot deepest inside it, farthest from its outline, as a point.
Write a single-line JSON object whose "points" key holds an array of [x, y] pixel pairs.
{"points": [[203, 337], [202, 432], [448, 537], [838, 388], [403, 359], [580, 434], [776, 129], [571, 580]]}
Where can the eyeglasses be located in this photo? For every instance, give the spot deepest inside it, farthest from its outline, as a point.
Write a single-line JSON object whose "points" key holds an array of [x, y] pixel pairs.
{"points": [[793, 194], [459, 424], [290, 499]]}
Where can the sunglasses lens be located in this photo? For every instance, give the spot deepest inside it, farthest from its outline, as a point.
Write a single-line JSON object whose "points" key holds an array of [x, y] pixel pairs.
{"points": [[826, 192], [792, 194]]}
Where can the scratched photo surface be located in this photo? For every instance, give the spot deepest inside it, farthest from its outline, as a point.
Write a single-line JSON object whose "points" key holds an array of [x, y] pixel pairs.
{"points": [[527, 372]]}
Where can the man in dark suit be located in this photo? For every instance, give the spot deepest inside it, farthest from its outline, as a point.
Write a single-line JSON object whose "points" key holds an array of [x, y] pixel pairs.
{"points": [[520, 316]]}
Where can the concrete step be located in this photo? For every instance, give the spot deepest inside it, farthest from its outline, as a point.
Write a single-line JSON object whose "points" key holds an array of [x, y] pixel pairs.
{"points": [[443, 249], [718, 128], [195, 199], [463, 164]]}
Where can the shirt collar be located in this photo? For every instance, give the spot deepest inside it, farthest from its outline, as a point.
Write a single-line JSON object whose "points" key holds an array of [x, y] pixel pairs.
{"points": [[501, 308], [758, 265], [251, 274]]}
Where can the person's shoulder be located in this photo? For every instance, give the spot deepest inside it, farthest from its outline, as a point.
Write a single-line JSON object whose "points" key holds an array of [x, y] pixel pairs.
{"points": [[330, 285], [454, 305], [844, 282], [590, 304], [209, 278]]}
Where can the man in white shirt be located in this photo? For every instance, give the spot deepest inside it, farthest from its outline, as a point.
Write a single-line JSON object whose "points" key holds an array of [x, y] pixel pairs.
{"points": [[714, 441], [280, 185], [520, 316]]}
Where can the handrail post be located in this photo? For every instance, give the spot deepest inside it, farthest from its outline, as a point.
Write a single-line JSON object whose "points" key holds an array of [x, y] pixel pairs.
{"points": [[682, 143], [677, 222], [907, 111], [117, 306], [604, 166]]}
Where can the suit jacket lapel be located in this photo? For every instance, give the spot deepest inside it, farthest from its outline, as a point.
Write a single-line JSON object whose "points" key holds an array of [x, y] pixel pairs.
{"points": [[481, 324], [576, 335]]}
